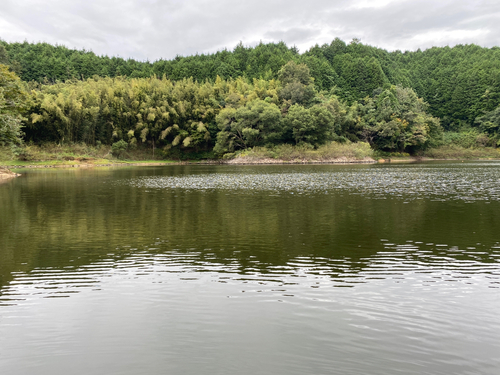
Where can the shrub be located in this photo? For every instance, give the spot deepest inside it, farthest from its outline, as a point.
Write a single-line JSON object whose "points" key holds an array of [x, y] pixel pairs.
{"points": [[118, 148]]}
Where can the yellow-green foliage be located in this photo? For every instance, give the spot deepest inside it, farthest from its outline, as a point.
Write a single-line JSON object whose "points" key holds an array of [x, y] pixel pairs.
{"points": [[142, 110], [225, 116]]}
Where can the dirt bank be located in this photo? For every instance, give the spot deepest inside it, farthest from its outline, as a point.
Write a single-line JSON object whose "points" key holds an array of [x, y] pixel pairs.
{"points": [[6, 174]]}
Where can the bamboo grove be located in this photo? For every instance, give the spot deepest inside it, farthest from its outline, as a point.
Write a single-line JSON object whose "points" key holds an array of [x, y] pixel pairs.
{"points": [[223, 116]]}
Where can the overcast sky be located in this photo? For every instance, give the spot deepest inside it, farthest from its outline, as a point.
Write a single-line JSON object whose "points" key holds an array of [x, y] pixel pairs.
{"points": [[154, 29]]}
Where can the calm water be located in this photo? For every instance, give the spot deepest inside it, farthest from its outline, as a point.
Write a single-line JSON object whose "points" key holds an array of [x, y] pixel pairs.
{"points": [[324, 269]]}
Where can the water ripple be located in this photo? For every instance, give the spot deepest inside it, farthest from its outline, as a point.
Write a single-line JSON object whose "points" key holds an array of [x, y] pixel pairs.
{"points": [[414, 263], [443, 183]]}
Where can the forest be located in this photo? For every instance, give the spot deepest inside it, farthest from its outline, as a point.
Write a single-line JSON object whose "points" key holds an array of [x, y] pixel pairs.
{"points": [[267, 95]]}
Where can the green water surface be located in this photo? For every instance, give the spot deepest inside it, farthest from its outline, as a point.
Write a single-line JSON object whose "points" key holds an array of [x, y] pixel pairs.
{"points": [[313, 269]]}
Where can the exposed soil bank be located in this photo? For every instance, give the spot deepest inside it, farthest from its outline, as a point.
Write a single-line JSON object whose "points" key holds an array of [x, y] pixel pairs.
{"points": [[6, 174]]}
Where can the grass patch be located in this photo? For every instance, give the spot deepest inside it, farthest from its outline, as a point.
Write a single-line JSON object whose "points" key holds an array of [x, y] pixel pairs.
{"points": [[51, 152], [454, 151], [54, 154], [329, 152]]}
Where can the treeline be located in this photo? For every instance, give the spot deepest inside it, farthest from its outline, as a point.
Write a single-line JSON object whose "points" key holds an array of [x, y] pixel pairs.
{"points": [[252, 96], [460, 83], [224, 116]]}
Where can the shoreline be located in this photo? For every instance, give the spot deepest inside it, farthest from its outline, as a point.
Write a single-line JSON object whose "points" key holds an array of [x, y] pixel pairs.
{"points": [[6, 173], [89, 165], [264, 161], [236, 161]]}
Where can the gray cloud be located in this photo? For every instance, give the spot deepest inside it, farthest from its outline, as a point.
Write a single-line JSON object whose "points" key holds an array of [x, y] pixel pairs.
{"points": [[293, 36], [153, 29]]}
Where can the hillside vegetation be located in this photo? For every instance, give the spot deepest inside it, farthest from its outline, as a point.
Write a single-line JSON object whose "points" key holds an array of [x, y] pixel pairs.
{"points": [[267, 95]]}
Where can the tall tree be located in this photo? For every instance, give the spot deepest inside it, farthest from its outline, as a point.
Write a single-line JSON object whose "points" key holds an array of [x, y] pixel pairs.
{"points": [[12, 104]]}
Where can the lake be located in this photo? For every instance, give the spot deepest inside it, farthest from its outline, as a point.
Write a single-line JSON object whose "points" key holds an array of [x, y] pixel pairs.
{"points": [[283, 269]]}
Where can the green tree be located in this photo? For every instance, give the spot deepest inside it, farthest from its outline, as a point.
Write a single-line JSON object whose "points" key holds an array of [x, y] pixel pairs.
{"points": [[256, 124], [297, 84], [12, 104], [396, 120], [490, 124], [349, 123], [314, 126], [4, 57]]}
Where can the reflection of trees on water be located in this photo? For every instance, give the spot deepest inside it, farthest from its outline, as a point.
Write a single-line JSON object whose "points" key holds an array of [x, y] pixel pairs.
{"points": [[66, 220]]}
